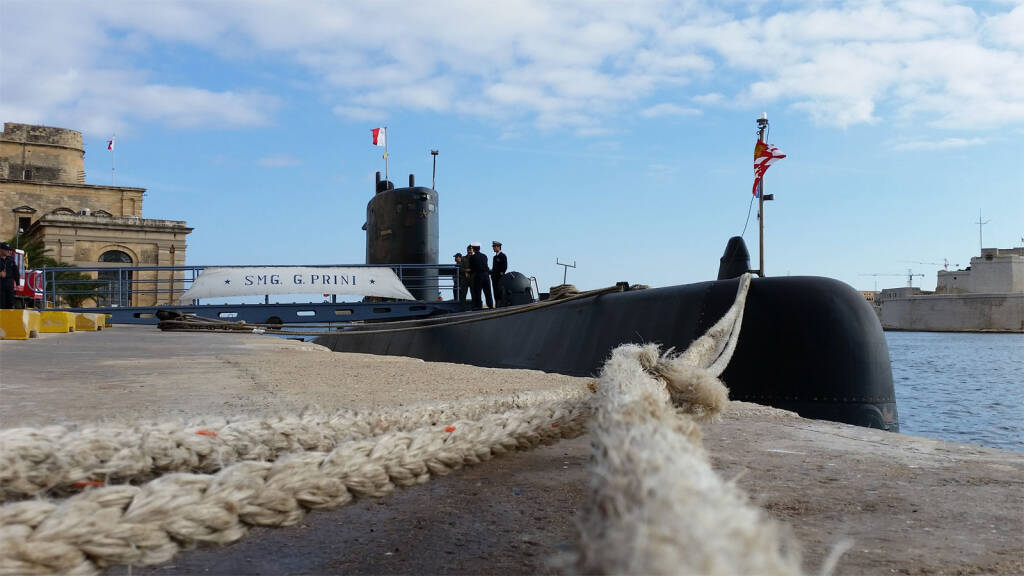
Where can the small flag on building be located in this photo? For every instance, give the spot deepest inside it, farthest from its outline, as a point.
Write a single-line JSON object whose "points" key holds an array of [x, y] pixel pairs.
{"points": [[379, 137], [764, 156], [110, 144]]}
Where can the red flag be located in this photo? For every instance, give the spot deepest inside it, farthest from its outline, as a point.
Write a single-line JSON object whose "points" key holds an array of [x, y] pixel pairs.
{"points": [[379, 136], [764, 156], [110, 144]]}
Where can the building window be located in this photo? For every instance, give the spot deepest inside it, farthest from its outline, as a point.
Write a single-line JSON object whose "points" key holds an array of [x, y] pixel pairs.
{"points": [[115, 285], [23, 223], [28, 174]]}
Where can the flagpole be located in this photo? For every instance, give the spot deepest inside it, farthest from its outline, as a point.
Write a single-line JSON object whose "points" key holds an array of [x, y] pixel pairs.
{"points": [[762, 130], [113, 156], [387, 137]]}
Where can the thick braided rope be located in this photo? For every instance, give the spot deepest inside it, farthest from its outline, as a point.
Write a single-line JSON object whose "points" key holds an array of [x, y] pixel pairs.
{"points": [[61, 460], [655, 506], [127, 524], [149, 524]]}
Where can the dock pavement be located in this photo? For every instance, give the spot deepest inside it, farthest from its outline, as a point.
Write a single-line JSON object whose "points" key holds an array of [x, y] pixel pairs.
{"points": [[904, 504]]}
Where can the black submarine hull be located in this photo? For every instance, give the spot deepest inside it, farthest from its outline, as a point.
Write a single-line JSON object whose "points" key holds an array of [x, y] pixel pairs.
{"points": [[807, 344]]}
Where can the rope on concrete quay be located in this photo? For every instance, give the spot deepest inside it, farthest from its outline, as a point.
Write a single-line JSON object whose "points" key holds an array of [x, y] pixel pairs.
{"points": [[654, 505], [66, 459], [148, 524]]}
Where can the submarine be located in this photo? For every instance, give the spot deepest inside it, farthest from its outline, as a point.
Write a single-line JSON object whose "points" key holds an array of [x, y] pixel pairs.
{"points": [[811, 345]]}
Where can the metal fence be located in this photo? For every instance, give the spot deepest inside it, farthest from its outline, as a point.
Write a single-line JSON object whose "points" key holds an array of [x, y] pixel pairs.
{"points": [[125, 286]]}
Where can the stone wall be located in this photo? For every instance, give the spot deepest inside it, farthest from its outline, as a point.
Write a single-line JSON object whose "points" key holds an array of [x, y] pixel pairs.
{"points": [[953, 282], [82, 241], [998, 270], [69, 198], [955, 313], [41, 153]]}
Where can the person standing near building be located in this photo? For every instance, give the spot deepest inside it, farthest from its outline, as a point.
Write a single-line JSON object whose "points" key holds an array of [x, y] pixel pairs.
{"points": [[499, 265], [481, 281], [9, 276]]}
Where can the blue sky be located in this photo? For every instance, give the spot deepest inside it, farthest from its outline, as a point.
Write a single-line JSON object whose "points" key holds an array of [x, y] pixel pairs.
{"points": [[616, 135]]}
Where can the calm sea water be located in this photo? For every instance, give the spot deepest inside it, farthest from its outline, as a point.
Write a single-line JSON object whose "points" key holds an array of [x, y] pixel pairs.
{"points": [[960, 387]]}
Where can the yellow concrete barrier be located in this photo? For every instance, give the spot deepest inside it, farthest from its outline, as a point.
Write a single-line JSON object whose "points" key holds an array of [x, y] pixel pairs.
{"points": [[88, 322], [19, 324], [56, 321]]}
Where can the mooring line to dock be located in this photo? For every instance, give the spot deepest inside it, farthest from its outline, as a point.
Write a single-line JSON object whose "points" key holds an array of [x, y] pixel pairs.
{"points": [[63, 459], [655, 504], [192, 323], [143, 525]]}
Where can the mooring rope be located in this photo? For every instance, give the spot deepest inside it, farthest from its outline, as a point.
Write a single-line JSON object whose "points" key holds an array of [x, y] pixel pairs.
{"points": [[147, 525], [650, 492], [193, 323], [64, 459]]}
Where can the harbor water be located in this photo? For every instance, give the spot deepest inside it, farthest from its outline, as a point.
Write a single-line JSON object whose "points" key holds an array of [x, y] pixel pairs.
{"points": [[960, 387]]}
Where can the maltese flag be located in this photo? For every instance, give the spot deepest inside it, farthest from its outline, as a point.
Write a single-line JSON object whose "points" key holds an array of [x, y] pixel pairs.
{"points": [[379, 137], [110, 144], [764, 156]]}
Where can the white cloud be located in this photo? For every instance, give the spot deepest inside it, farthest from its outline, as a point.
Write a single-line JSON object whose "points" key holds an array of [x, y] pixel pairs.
{"points": [[709, 99], [1008, 28], [571, 64], [278, 161], [667, 109], [359, 113], [943, 144]]}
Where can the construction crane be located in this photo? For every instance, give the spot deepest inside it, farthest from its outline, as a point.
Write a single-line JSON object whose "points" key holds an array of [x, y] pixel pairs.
{"points": [[944, 264], [909, 275]]}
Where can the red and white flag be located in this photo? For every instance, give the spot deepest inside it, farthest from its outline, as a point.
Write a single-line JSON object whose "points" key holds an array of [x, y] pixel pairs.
{"points": [[764, 156], [110, 144], [379, 137]]}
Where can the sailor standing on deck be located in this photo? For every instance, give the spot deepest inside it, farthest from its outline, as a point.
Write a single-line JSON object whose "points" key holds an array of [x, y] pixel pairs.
{"points": [[499, 265], [481, 277], [460, 277]]}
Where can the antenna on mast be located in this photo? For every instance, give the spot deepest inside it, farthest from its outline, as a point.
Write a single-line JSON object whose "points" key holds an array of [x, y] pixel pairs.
{"points": [[762, 136], [433, 182], [565, 271], [980, 224]]}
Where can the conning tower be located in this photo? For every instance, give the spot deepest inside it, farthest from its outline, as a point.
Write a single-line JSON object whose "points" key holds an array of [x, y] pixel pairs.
{"points": [[402, 228]]}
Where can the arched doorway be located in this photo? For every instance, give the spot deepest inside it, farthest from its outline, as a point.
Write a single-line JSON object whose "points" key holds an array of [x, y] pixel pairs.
{"points": [[115, 285]]}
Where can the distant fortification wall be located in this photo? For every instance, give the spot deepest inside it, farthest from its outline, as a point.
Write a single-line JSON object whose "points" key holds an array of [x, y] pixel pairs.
{"points": [[955, 313], [41, 153], [997, 270]]}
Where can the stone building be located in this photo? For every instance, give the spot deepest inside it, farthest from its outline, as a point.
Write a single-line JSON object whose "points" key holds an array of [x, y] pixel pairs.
{"points": [[988, 296], [997, 270], [43, 193]]}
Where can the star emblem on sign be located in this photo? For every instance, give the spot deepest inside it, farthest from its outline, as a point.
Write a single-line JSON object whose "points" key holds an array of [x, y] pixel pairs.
{"points": [[228, 281], [372, 281]]}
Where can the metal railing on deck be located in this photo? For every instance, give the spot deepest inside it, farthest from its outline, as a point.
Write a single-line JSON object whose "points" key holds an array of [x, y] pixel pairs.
{"points": [[123, 286]]}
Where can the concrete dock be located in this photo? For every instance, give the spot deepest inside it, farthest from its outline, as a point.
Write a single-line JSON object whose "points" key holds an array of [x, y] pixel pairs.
{"points": [[907, 505]]}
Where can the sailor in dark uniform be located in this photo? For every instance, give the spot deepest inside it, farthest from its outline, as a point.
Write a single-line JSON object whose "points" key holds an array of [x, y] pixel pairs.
{"points": [[461, 277], [9, 275], [499, 265], [481, 277]]}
